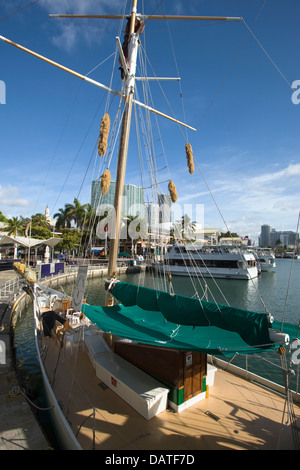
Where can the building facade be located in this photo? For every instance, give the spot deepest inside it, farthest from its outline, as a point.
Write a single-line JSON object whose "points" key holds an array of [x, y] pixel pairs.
{"points": [[270, 237], [133, 198]]}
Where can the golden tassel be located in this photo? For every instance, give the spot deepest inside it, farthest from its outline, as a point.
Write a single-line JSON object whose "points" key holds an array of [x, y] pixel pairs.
{"points": [[190, 157], [105, 181], [173, 192], [104, 131]]}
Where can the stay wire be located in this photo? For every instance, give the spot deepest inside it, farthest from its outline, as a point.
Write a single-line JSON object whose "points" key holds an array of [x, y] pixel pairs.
{"points": [[232, 64], [289, 281], [19, 10], [266, 53]]}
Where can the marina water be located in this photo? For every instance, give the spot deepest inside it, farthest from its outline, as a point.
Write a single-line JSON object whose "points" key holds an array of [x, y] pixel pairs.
{"points": [[279, 291]]}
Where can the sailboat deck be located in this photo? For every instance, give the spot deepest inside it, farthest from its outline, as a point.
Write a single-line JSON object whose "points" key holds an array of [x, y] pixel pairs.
{"points": [[236, 415]]}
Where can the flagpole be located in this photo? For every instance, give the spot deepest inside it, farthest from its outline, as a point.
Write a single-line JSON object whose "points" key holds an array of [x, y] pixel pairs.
{"points": [[29, 243]]}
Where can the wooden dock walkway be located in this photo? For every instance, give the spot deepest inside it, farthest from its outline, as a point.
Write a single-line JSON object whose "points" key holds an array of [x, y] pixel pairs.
{"points": [[19, 429]]}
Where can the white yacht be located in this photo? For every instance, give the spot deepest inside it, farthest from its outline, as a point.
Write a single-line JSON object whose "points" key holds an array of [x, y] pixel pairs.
{"points": [[217, 261], [265, 259]]}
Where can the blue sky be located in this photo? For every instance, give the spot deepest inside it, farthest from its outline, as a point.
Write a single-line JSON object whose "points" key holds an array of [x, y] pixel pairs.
{"points": [[235, 91]]}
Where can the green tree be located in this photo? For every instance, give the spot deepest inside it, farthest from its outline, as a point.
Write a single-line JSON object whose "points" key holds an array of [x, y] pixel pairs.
{"points": [[70, 239], [229, 235], [40, 227], [2, 217]]}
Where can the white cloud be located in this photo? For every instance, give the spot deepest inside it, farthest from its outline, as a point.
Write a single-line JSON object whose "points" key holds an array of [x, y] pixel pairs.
{"points": [[290, 171], [70, 31], [9, 197], [246, 201]]}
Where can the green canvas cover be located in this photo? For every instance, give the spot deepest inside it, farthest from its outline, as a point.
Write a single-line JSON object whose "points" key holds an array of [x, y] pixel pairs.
{"points": [[251, 326], [160, 319]]}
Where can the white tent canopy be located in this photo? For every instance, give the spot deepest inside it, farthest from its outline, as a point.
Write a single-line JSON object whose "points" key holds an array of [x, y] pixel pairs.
{"points": [[28, 242], [52, 242]]}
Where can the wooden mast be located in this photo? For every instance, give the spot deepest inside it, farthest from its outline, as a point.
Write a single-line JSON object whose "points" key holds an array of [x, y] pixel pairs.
{"points": [[123, 149], [128, 101]]}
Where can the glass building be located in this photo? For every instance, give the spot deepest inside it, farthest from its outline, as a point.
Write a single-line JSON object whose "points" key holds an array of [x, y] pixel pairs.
{"points": [[133, 198]]}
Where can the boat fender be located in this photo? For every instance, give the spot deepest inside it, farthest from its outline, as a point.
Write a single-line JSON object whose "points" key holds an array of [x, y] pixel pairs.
{"points": [[278, 337]]}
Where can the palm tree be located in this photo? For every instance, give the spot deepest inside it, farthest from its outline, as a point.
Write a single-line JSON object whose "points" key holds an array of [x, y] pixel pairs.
{"points": [[76, 212], [40, 227], [184, 228], [89, 226], [89, 217], [39, 220], [62, 218], [15, 226], [188, 227]]}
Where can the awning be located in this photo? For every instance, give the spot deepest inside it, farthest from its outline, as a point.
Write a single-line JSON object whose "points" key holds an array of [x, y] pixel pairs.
{"points": [[52, 242], [23, 241], [29, 242]]}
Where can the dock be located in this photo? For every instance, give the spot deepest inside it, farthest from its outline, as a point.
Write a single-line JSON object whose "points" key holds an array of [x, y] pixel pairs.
{"points": [[19, 429]]}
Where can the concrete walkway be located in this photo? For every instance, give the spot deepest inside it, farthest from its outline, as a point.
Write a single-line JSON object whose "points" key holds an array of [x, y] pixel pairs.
{"points": [[19, 429]]}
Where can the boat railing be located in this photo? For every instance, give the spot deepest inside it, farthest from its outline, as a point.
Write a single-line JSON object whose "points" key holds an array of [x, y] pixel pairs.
{"points": [[245, 372], [11, 289]]}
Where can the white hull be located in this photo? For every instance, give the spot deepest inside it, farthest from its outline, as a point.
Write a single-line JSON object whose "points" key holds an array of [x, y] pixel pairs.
{"points": [[267, 267], [215, 273], [265, 259]]}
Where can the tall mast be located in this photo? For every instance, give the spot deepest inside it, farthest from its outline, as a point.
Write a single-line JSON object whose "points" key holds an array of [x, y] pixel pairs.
{"points": [[129, 75], [125, 130]]}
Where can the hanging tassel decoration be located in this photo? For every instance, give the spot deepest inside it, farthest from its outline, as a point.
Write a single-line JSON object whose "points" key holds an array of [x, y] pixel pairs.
{"points": [[105, 181], [173, 192], [104, 131], [189, 157]]}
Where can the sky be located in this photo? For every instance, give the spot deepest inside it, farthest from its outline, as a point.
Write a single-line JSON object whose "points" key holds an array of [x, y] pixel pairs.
{"points": [[238, 88]]}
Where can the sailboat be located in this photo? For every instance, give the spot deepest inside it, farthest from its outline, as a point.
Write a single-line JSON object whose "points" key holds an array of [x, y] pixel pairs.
{"points": [[134, 374]]}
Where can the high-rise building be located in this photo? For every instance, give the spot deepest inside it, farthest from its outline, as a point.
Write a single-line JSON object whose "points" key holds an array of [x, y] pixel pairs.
{"points": [[165, 214], [264, 239], [133, 198], [159, 215], [270, 237]]}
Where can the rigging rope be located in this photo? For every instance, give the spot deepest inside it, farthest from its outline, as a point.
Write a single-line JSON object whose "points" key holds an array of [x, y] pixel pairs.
{"points": [[291, 415], [265, 52], [289, 280], [18, 11]]}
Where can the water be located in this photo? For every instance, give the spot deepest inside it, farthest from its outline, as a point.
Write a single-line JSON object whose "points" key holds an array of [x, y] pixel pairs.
{"points": [[270, 286]]}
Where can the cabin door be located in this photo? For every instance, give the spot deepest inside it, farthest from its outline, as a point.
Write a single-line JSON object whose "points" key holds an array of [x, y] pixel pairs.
{"points": [[194, 369]]}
